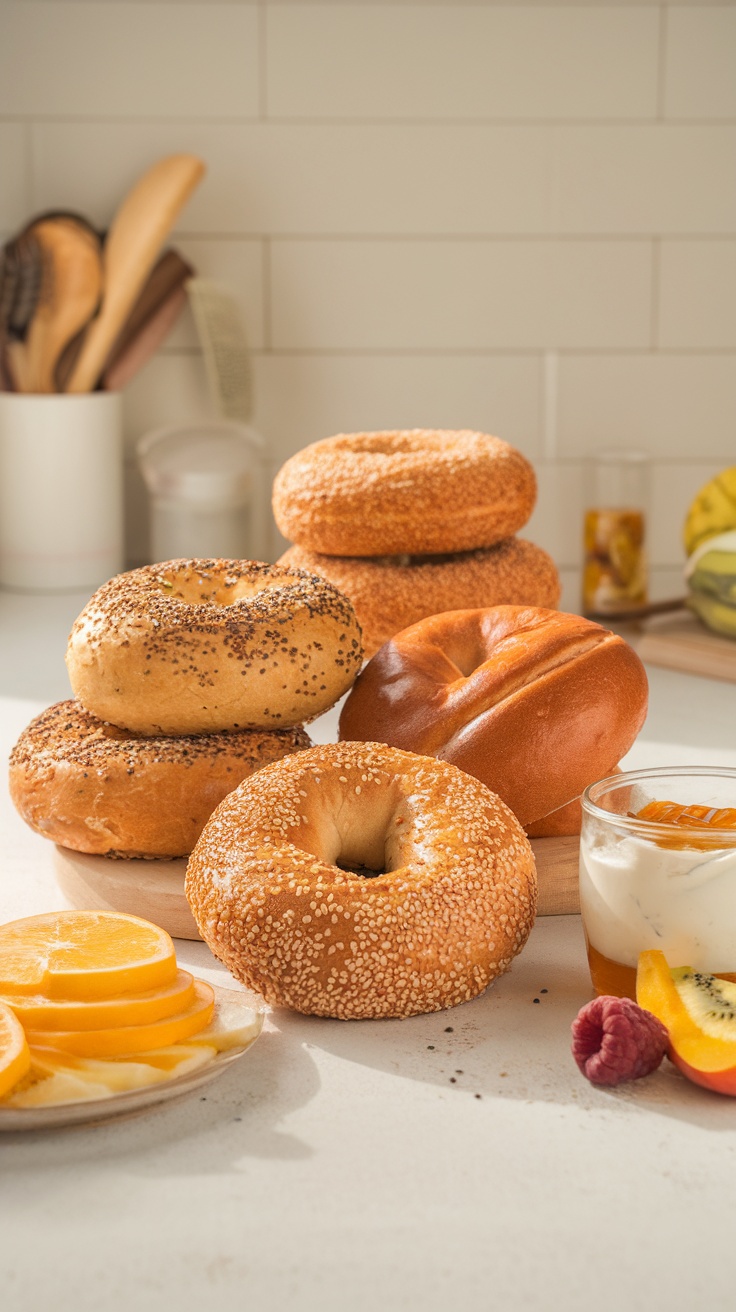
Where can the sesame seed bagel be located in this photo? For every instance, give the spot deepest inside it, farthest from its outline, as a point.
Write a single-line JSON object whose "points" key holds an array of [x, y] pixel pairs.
{"points": [[391, 593], [358, 881], [93, 787], [420, 492], [197, 646]]}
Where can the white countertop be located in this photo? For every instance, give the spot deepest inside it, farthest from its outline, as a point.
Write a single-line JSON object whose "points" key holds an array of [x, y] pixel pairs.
{"points": [[453, 1161]]}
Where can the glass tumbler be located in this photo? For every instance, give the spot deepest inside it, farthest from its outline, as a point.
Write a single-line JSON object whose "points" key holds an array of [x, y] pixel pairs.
{"points": [[666, 882], [616, 500]]}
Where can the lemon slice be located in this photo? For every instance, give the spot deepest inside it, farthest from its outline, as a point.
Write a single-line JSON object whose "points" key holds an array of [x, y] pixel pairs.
{"points": [[84, 954]]}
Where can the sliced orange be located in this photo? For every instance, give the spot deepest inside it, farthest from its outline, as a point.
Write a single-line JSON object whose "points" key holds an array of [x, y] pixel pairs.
{"points": [[15, 1058], [687, 818], [125, 1040], [84, 954], [36, 1012]]}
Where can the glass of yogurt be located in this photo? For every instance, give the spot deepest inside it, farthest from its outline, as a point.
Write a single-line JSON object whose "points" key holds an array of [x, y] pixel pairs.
{"points": [[665, 879]]}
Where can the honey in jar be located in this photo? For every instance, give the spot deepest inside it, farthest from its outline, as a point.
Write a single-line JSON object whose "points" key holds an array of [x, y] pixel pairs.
{"points": [[614, 572], [616, 491]]}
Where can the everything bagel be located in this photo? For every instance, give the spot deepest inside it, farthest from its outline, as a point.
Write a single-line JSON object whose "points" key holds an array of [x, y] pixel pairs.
{"points": [[93, 787], [197, 646]]}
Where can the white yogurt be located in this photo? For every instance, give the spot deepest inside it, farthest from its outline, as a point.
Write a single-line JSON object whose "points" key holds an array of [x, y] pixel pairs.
{"points": [[635, 896]]}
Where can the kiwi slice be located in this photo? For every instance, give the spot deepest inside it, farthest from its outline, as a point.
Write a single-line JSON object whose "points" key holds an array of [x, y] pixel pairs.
{"points": [[711, 1002]]}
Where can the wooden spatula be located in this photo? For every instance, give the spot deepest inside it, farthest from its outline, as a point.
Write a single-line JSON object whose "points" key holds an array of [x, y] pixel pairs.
{"points": [[137, 350], [133, 242], [70, 291], [169, 274]]}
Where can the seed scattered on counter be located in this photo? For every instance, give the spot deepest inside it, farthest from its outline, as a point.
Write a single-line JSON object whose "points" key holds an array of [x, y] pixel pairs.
{"points": [[449, 1030]]}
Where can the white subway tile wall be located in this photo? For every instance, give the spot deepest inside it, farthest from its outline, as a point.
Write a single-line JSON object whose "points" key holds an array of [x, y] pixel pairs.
{"points": [[518, 218]]}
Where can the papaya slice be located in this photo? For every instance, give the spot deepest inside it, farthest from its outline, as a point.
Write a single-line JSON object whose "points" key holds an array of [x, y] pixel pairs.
{"points": [[703, 1057]]}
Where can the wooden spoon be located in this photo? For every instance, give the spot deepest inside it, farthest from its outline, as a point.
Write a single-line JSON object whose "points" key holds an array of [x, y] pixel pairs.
{"points": [[136, 235], [169, 272], [168, 275], [70, 293], [136, 351]]}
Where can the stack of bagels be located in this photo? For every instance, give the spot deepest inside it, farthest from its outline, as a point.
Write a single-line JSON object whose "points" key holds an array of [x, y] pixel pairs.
{"points": [[412, 523], [188, 676]]}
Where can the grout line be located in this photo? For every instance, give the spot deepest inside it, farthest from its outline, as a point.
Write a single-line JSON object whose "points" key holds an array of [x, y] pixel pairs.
{"points": [[266, 293], [31, 170], [431, 124], [524, 238], [482, 352], [656, 276], [262, 61], [550, 402], [662, 65]]}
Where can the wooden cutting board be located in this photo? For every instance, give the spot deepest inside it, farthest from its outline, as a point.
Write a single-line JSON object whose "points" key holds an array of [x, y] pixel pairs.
{"points": [[681, 642], [154, 890]]}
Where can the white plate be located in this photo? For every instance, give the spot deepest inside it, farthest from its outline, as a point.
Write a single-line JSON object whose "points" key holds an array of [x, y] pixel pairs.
{"points": [[92, 1110]]}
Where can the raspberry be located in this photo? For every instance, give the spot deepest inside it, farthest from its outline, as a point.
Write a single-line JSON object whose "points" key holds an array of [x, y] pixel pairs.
{"points": [[614, 1040]]}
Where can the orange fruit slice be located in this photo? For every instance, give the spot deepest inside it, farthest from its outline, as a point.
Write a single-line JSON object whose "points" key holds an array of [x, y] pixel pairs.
{"points": [[126, 1040], [36, 1012], [688, 818], [15, 1058], [84, 954]]}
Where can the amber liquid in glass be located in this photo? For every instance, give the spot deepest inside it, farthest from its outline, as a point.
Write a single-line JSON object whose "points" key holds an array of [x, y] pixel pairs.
{"points": [[614, 572], [613, 979]]}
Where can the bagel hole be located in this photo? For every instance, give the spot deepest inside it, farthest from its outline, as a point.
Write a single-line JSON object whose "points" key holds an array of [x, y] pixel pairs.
{"points": [[359, 831], [467, 657], [354, 868], [212, 590]]}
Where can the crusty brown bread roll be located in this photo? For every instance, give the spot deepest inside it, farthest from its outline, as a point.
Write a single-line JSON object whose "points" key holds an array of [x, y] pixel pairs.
{"points": [[95, 788], [535, 703], [391, 593], [417, 490]]}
